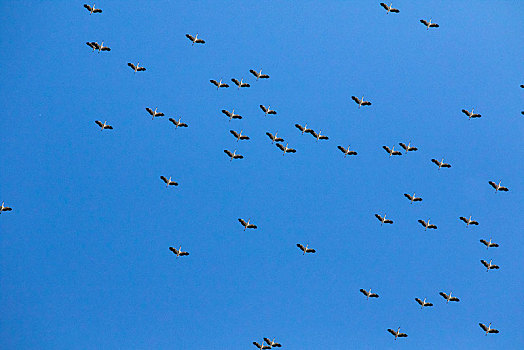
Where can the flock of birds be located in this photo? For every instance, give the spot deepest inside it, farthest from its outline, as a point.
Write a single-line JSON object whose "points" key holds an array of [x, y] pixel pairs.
{"points": [[279, 142]]}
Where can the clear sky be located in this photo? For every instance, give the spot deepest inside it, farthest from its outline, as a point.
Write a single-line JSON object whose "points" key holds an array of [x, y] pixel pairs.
{"points": [[84, 259]]}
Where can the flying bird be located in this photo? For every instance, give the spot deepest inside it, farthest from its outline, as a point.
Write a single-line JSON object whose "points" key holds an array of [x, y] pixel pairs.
{"points": [[274, 138], [441, 163], [449, 297], [272, 343], [389, 8], [101, 47], [178, 252], [178, 123], [267, 110], [408, 148], [4, 208], [92, 9], [103, 125], [471, 114], [489, 266], [305, 249], [303, 129], [239, 136], [383, 220], [489, 244], [427, 225], [346, 151], [488, 329], [498, 187], [232, 114], [261, 346], [136, 68], [468, 221], [368, 293], [397, 333], [219, 84], [391, 151], [195, 39], [247, 224], [154, 113], [286, 149], [169, 182], [429, 24], [240, 83], [360, 101], [423, 303], [259, 74], [233, 155], [412, 198], [318, 136]]}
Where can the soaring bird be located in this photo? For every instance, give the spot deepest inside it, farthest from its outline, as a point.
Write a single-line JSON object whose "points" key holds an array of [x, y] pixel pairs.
{"points": [[247, 224], [267, 110], [389, 8], [489, 266], [441, 163], [368, 293], [397, 333], [285, 149], [232, 114], [233, 155], [239, 136], [422, 303], [449, 297], [178, 252], [92, 9], [272, 343], [498, 187], [318, 136], [489, 244], [178, 123], [471, 114], [346, 151], [261, 346], [429, 24], [4, 208], [412, 198], [488, 329], [219, 84], [391, 151], [136, 68], [468, 221], [103, 125], [305, 249], [427, 225], [240, 83], [303, 129], [408, 148], [154, 113], [195, 39], [259, 74], [169, 182], [383, 220], [360, 101], [274, 138]]}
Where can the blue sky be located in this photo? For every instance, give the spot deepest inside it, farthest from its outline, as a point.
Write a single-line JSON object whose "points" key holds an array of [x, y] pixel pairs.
{"points": [[84, 256]]}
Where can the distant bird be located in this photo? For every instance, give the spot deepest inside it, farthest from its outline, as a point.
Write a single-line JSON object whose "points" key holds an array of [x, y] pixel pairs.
{"points": [[408, 148], [267, 110], [368, 293], [103, 125], [489, 266], [154, 113], [303, 128], [412, 198], [305, 249], [448, 297], [498, 187], [383, 220], [169, 182], [427, 225], [318, 136], [346, 151], [178, 252], [397, 333], [423, 303], [429, 24], [92, 9], [247, 224], [219, 84], [286, 149], [441, 163], [232, 114], [240, 83], [4, 208], [239, 136], [261, 346], [391, 151], [274, 138], [136, 68], [233, 155], [195, 39], [259, 74], [389, 8], [471, 114], [489, 244], [272, 343], [178, 123], [360, 101], [468, 221], [488, 329]]}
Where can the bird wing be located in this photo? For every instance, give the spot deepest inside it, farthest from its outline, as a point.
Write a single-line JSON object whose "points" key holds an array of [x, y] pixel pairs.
{"points": [[164, 179], [253, 72], [236, 116], [159, 114], [228, 153], [494, 185], [252, 226], [301, 247], [446, 165], [365, 292], [245, 85], [422, 222], [392, 331], [474, 223], [434, 25], [424, 22], [184, 253], [280, 146], [428, 304], [299, 127], [291, 150], [464, 219], [378, 217], [444, 295], [174, 250], [394, 10], [214, 82], [494, 245], [397, 153], [408, 196], [366, 103], [132, 66], [373, 295], [190, 37], [108, 127], [270, 135], [99, 123], [271, 111], [413, 149], [257, 345], [454, 299], [200, 41], [402, 335], [493, 330], [387, 149], [141, 69], [419, 301], [403, 146], [483, 241], [384, 6], [342, 149], [150, 111], [235, 81], [312, 132], [173, 121], [88, 7], [484, 262], [324, 137], [504, 189], [228, 113], [432, 226], [238, 156], [309, 250], [466, 112], [262, 107], [264, 76], [105, 48], [483, 326], [90, 44], [476, 115], [234, 133], [388, 221], [243, 222], [97, 11], [244, 137], [356, 99], [435, 161]]}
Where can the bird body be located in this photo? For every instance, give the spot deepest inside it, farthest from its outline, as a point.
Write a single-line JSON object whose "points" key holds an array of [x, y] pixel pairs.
{"points": [[305, 249], [178, 252], [168, 182], [103, 125], [346, 151]]}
